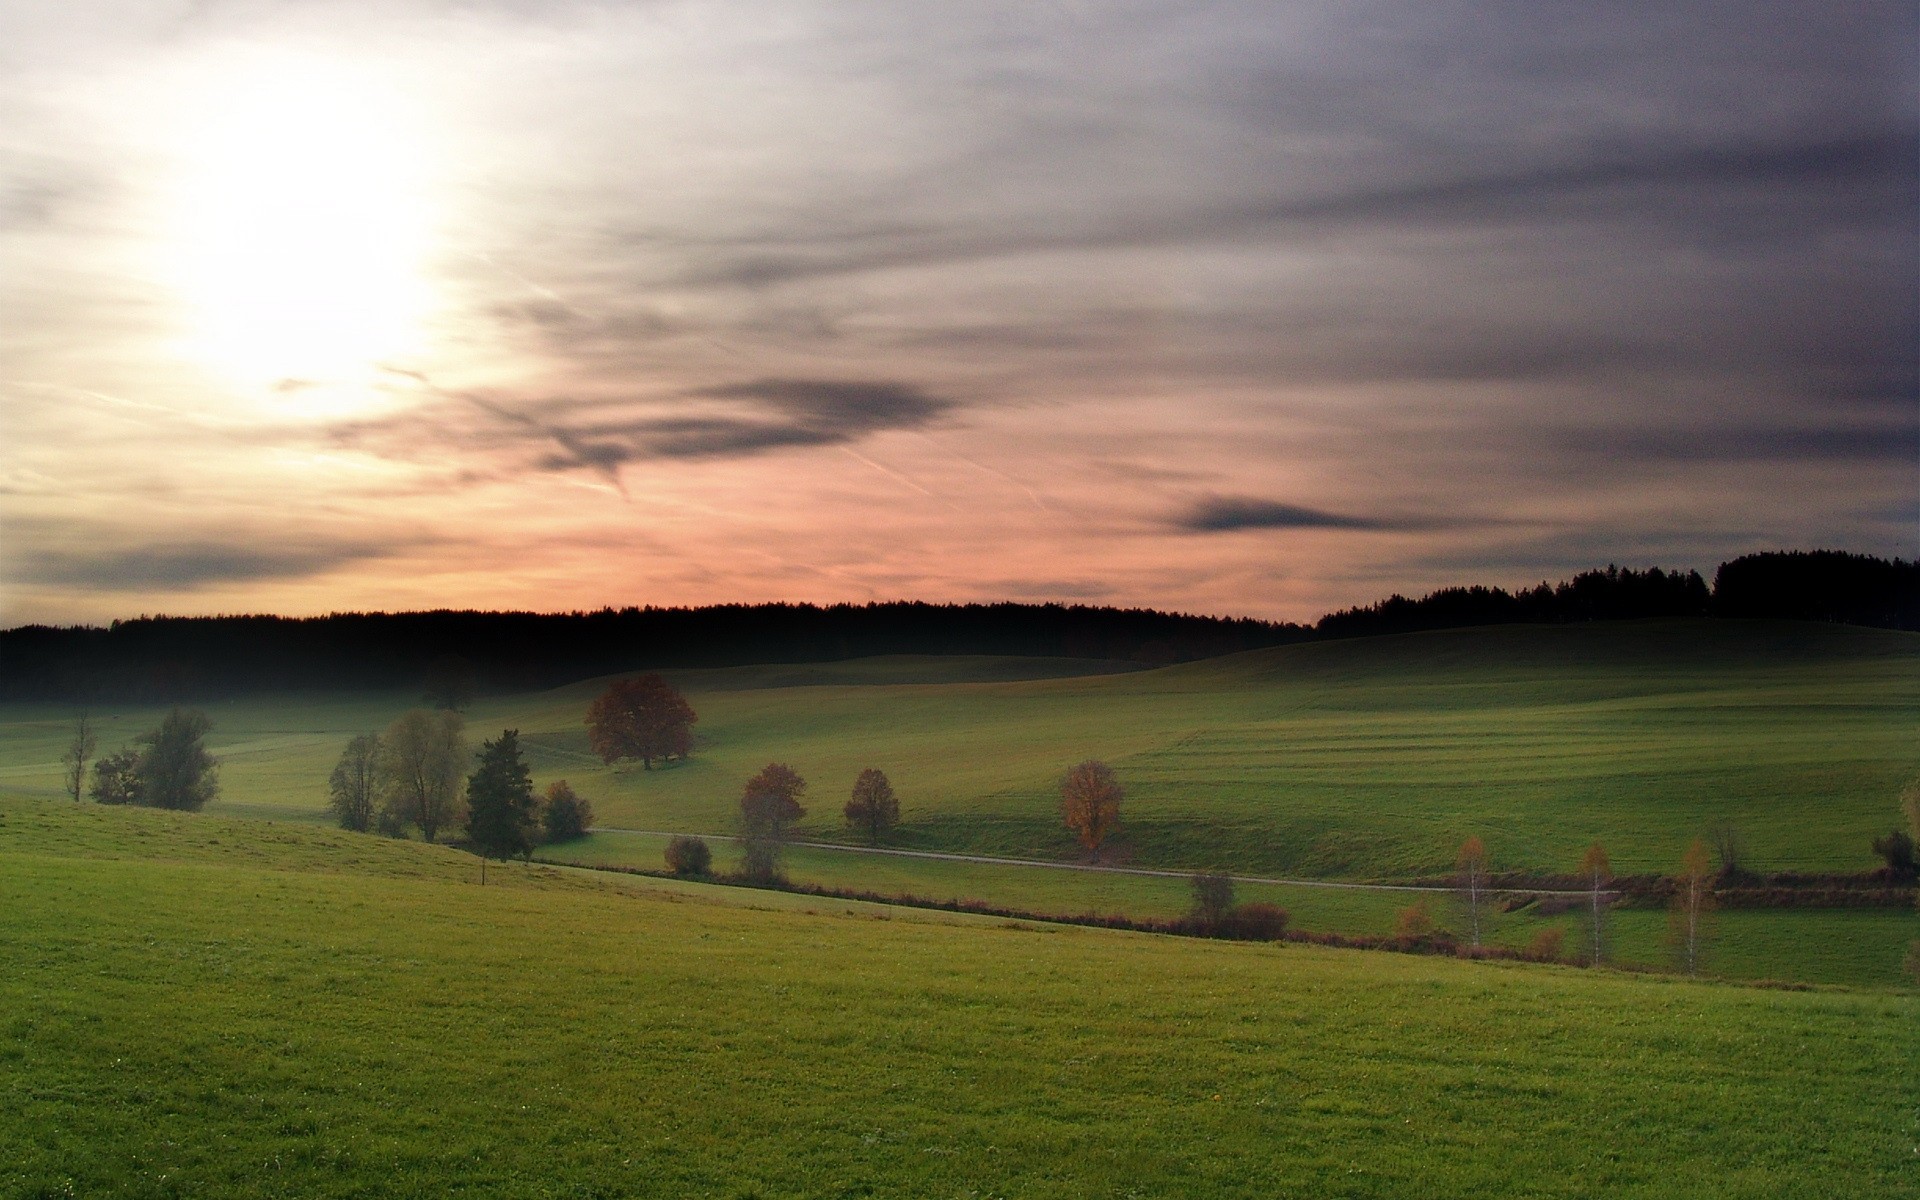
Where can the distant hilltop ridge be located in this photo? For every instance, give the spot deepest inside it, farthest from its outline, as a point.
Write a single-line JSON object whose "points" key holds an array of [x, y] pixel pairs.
{"points": [[171, 658]]}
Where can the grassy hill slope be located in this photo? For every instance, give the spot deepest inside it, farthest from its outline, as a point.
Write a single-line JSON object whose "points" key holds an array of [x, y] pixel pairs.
{"points": [[199, 1006], [1366, 758]]}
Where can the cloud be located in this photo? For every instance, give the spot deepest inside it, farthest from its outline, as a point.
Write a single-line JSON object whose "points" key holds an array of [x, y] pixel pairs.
{"points": [[728, 421], [1861, 173], [180, 566], [1227, 514]]}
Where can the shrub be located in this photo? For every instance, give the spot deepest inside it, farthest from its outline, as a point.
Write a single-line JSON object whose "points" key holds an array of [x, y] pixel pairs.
{"points": [[689, 856], [567, 814], [1413, 922], [1897, 849], [1547, 945], [1255, 921]]}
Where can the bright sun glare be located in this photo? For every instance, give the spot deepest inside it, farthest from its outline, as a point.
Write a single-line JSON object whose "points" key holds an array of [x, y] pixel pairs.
{"points": [[305, 223]]}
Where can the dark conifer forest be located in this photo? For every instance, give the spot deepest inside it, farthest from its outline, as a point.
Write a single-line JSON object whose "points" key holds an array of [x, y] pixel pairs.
{"points": [[163, 658]]}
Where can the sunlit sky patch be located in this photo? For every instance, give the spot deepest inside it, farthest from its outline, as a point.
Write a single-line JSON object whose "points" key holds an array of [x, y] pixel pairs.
{"points": [[1254, 308]]}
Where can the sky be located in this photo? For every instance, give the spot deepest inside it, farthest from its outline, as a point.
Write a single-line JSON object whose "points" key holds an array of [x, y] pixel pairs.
{"points": [[1243, 308]]}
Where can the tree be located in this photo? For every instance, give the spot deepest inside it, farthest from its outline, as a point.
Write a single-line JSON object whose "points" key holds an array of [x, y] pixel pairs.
{"points": [[1692, 899], [644, 717], [502, 813], [1729, 847], [116, 778], [450, 683], [1212, 899], [769, 805], [874, 807], [1897, 849], [567, 814], [175, 769], [421, 755], [1090, 804], [79, 752], [1472, 881], [689, 856], [1597, 871], [354, 788]]}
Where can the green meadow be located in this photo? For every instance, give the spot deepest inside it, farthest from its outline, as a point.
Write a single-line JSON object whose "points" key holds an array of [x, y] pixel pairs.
{"points": [[1863, 947], [1369, 759], [205, 1006], [1364, 759]]}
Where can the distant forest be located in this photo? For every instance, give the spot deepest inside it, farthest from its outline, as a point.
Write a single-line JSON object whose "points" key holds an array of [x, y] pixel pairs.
{"points": [[178, 658]]}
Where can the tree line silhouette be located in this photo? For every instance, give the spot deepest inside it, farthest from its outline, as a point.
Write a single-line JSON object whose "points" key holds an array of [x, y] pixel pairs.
{"points": [[172, 658]]}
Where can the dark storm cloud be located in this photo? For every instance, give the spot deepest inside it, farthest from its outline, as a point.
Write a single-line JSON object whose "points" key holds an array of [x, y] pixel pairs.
{"points": [[180, 565]]}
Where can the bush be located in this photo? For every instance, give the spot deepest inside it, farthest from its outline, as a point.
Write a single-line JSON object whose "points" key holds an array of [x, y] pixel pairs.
{"points": [[760, 861], [1414, 922], [1255, 921], [1897, 849], [689, 856], [567, 814], [1547, 945]]}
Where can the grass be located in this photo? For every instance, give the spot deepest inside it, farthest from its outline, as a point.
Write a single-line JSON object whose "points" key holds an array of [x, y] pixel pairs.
{"points": [[1370, 758], [1860, 947], [212, 1007]]}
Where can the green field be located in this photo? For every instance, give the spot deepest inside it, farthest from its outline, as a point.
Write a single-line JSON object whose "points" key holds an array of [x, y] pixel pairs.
{"points": [[1371, 758], [192, 1005], [1860, 947], [1365, 759]]}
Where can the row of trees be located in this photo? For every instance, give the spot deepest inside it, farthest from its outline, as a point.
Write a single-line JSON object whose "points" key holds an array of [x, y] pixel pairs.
{"points": [[414, 776], [166, 767]]}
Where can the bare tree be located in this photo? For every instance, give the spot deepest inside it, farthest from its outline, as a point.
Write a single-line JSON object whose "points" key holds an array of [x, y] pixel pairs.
{"points": [[873, 807], [1692, 900], [79, 752], [1597, 871], [1472, 882], [354, 787], [422, 757], [1729, 847], [1090, 798]]}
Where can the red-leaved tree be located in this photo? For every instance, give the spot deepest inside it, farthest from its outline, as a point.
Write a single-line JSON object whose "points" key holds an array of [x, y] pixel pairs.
{"points": [[643, 717]]}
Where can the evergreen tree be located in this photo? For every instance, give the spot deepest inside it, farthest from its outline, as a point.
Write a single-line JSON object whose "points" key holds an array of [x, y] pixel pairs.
{"points": [[502, 814]]}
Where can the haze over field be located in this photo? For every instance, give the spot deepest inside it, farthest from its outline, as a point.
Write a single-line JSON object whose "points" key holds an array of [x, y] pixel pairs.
{"points": [[1256, 308]]}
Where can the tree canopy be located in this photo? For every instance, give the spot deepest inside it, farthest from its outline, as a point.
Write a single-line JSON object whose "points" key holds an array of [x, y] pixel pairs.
{"points": [[873, 808], [567, 814], [502, 813], [642, 717], [174, 768], [421, 757]]}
